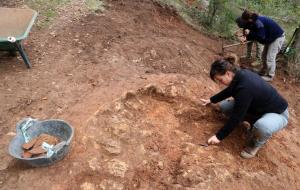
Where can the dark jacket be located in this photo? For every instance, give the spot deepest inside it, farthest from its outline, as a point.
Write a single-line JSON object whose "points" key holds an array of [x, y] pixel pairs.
{"points": [[252, 95], [264, 30]]}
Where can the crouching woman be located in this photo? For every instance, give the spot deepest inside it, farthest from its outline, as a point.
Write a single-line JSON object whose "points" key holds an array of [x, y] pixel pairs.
{"points": [[250, 95]]}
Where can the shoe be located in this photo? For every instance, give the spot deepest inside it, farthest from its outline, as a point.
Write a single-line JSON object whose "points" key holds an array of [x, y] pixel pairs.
{"points": [[262, 72], [267, 78], [246, 125], [250, 138], [255, 63], [249, 152]]}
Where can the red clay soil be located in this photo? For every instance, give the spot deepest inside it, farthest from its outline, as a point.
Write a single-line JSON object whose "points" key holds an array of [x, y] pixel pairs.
{"points": [[129, 81]]}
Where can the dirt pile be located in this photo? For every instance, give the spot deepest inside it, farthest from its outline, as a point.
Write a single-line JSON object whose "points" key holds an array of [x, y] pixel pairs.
{"points": [[150, 139]]}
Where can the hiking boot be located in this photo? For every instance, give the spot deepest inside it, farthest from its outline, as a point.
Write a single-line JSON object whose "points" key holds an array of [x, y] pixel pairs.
{"points": [[248, 57], [267, 78], [250, 138], [255, 63], [249, 152], [262, 72], [246, 125]]}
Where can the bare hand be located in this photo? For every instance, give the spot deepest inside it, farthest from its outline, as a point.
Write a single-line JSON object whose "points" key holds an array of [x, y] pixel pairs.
{"points": [[246, 32], [205, 102], [243, 39], [213, 140], [238, 33]]}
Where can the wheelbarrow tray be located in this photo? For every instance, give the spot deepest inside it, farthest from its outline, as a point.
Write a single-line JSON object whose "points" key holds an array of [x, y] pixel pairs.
{"points": [[16, 23]]}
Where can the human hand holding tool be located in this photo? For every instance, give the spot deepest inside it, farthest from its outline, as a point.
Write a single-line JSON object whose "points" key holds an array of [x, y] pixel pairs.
{"points": [[239, 33], [213, 140], [246, 32], [243, 39], [205, 102]]}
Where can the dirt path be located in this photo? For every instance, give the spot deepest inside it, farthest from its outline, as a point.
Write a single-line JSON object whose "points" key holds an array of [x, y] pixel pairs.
{"points": [[84, 65]]}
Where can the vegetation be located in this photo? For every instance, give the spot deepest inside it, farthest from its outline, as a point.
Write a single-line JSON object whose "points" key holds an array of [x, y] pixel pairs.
{"points": [[219, 16], [48, 9], [214, 16], [95, 5]]}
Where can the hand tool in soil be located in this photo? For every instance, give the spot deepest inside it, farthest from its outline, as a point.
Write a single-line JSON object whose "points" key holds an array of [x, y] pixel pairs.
{"points": [[203, 144], [292, 39], [232, 45]]}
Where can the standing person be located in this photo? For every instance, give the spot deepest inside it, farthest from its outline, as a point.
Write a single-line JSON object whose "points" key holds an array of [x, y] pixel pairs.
{"points": [[259, 47], [251, 95], [266, 31]]}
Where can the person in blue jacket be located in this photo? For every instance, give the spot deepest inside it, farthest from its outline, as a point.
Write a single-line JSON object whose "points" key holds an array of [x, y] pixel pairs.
{"points": [[259, 47], [249, 95], [266, 31]]}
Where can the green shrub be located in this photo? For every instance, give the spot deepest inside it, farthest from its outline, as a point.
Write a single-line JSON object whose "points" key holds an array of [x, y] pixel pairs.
{"points": [[219, 18]]}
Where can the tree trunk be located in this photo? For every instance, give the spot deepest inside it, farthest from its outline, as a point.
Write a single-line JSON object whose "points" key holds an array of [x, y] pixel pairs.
{"points": [[296, 47], [294, 63]]}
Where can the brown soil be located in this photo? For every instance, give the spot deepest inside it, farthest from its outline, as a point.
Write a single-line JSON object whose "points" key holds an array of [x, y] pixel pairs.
{"points": [[129, 82]]}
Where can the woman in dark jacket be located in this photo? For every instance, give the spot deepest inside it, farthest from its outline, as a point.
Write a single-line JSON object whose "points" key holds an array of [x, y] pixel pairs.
{"points": [[251, 95], [266, 31], [259, 47]]}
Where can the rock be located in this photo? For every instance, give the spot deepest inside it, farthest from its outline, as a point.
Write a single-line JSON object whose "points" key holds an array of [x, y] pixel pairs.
{"points": [[87, 186], [183, 136], [174, 91], [189, 148], [53, 34], [137, 60], [176, 187], [120, 129], [153, 53], [142, 149], [152, 89], [145, 162], [161, 165], [111, 145], [11, 134], [110, 185], [5, 160], [118, 106], [92, 123], [94, 164], [155, 148], [146, 133], [128, 95], [117, 168]]}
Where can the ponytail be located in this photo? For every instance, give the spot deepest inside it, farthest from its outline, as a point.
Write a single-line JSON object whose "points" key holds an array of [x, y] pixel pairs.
{"points": [[249, 15], [220, 67]]}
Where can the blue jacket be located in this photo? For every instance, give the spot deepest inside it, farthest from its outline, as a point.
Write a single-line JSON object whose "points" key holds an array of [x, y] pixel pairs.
{"points": [[264, 30], [252, 95]]}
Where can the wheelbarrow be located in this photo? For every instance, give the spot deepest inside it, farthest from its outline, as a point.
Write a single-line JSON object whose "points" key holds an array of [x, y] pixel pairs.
{"points": [[15, 24]]}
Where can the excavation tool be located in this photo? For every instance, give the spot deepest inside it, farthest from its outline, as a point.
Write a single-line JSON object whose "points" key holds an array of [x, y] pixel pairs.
{"points": [[292, 39], [203, 144], [231, 45]]}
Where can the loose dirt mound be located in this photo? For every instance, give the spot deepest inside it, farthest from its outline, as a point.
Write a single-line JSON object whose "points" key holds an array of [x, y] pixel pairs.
{"points": [[152, 138], [148, 139]]}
